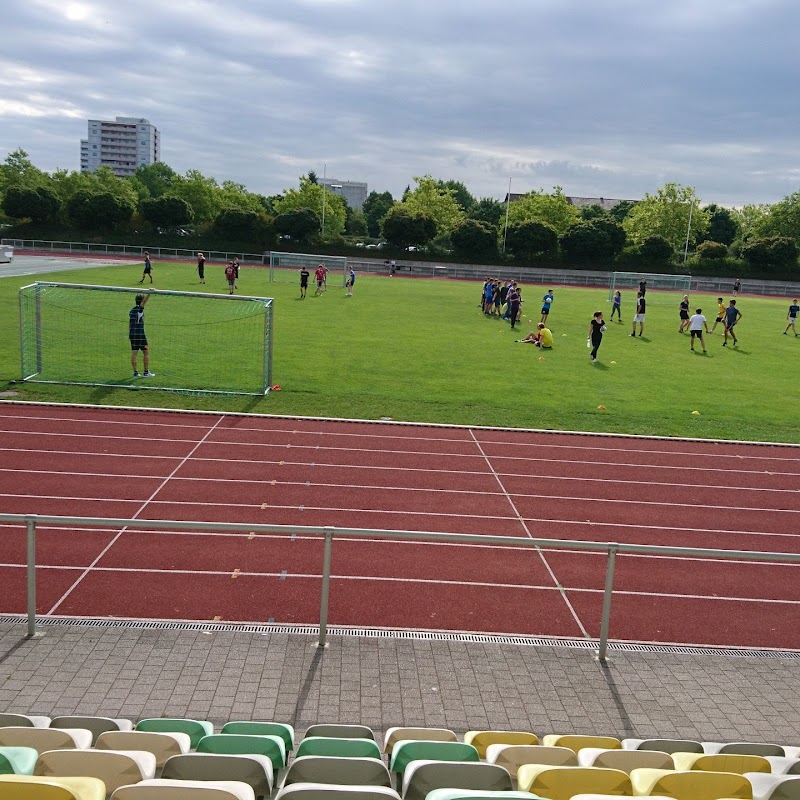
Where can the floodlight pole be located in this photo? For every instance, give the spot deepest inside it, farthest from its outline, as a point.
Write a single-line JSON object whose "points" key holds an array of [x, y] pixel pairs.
{"points": [[688, 232], [324, 195], [505, 227]]}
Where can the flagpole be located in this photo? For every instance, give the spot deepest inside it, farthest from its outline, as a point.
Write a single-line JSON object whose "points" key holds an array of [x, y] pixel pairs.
{"points": [[508, 202], [688, 232], [324, 194]]}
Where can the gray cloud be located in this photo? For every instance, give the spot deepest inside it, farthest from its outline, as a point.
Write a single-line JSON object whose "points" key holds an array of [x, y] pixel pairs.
{"points": [[608, 99]]}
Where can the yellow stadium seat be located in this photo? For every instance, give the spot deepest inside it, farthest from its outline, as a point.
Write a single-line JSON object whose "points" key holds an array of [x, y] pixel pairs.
{"points": [[480, 740], [577, 742], [561, 783], [691, 785]]}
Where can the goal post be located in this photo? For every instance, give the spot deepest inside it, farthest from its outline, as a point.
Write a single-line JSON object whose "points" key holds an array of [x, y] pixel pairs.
{"points": [[198, 343], [284, 267], [621, 281]]}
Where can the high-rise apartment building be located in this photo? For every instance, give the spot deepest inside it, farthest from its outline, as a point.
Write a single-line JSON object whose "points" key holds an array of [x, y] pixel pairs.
{"points": [[124, 144], [354, 192]]}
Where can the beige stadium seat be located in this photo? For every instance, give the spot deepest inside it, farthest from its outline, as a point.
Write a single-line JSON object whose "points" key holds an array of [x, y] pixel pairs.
{"points": [[332, 791], [161, 745], [625, 760], [513, 756], [32, 787], [114, 767], [425, 734], [474, 794], [24, 721], [160, 789], [590, 796], [335, 731], [561, 783], [422, 777], [774, 787], [480, 740], [691, 785], [254, 770], [96, 725], [663, 745], [576, 742], [41, 739], [721, 762], [341, 770]]}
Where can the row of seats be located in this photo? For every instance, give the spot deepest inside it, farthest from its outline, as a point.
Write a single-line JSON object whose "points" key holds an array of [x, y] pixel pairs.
{"points": [[346, 759]]}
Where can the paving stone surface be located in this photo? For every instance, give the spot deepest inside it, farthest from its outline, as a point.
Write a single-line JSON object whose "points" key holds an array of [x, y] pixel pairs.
{"points": [[384, 682]]}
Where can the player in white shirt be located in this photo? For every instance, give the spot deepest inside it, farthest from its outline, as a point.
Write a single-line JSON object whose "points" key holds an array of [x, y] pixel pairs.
{"points": [[698, 323]]}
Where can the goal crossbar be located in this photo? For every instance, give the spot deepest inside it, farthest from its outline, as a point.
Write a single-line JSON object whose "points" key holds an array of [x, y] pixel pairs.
{"points": [[284, 267], [198, 342], [655, 281]]}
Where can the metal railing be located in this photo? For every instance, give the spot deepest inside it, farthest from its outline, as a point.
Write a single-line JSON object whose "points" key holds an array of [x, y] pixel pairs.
{"points": [[612, 549]]}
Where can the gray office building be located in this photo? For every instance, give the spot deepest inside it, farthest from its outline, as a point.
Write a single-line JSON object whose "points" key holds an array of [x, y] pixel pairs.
{"points": [[124, 144], [354, 192]]}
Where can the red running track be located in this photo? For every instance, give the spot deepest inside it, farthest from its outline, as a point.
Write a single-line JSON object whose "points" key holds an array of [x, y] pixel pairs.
{"points": [[100, 462]]}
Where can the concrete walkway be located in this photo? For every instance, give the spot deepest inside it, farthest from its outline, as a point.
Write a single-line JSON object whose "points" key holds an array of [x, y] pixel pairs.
{"points": [[134, 673]]}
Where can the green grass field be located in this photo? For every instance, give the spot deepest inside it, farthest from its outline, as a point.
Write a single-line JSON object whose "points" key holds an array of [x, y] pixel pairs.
{"points": [[420, 350]]}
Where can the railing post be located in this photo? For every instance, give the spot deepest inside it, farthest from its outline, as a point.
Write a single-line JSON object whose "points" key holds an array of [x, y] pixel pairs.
{"points": [[31, 525], [612, 558], [326, 588]]}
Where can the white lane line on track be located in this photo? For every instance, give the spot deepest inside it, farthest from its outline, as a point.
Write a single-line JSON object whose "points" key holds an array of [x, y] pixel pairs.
{"points": [[141, 508], [425, 581], [548, 497], [380, 447], [392, 468], [525, 527], [381, 487]]}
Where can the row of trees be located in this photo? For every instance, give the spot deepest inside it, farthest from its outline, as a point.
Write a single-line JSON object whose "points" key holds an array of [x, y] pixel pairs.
{"points": [[440, 216]]}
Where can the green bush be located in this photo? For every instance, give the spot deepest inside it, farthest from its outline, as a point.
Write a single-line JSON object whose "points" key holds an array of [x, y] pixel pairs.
{"points": [[712, 251]]}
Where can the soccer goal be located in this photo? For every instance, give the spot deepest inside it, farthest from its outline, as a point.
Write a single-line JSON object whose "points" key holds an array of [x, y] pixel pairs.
{"points": [[198, 343], [285, 267], [620, 281]]}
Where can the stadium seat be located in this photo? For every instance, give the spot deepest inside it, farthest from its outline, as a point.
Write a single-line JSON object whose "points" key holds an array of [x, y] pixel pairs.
{"points": [[96, 725], [774, 787], [114, 767], [23, 721], [625, 760], [334, 731], [254, 770], [721, 762], [333, 791], [286, 732], [561, 783], [345, 771], [513, 756], [238, 744], [195, 729], [690, 785], [161, 745], [427, 734], [475, 794], [782, 765], [576, 742], [480, 740], [41, 739], [422, 777], [161, 789], [404, 752], [344, 748], [32, 787], [744, 748], [664, 745], [17, 760]]}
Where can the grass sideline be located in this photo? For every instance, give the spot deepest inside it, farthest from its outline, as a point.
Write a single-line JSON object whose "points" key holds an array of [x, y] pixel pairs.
{"points": [[420, 350]]}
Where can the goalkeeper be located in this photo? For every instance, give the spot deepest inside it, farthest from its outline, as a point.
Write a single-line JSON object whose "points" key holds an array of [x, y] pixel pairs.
{"points": [[137, 337]]}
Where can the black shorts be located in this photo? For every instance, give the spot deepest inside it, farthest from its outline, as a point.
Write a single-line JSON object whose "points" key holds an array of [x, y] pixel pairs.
{"points": [[545, 310], [138, 342], [698, 334], [201, 272], [720, 319], [147, 269], [236, 270], [304, 284], [684, 315], [730, 326]]}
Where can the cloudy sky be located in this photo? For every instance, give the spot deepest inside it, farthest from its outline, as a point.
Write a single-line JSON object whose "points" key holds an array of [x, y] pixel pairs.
{"points": [[606, 99]]}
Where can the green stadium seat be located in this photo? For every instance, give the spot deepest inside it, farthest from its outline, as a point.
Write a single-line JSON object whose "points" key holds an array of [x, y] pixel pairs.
{"points": [[32, 787], [254, 770], [404, 752], [236, 744], [286, 732], [17, 760], [344, 748], [422, 777], [195, 729], [480, 740]]}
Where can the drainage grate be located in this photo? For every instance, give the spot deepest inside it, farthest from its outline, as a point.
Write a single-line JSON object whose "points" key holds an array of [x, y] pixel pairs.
{"points": [[398, 633]]}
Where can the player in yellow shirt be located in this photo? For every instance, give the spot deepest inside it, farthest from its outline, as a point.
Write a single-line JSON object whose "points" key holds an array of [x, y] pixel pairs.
{"points": [[720, 314]]}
